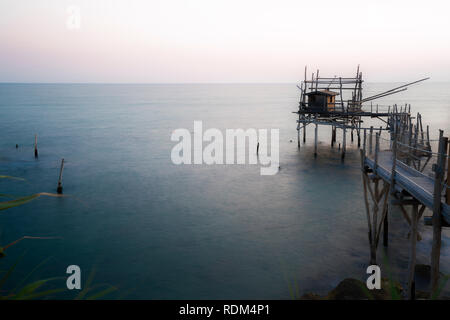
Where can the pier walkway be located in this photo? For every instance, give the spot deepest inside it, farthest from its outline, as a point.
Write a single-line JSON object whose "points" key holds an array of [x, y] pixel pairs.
{"points": [[403, 171], [407, 179]]}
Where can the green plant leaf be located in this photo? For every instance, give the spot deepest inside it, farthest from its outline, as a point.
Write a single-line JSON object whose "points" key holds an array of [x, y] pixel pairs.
{"points": [[8, 273], [20, 201], [87, 285], [42, 294], [102, 293], [9, 177], [31, 288], [30, 273], [441, 286]]}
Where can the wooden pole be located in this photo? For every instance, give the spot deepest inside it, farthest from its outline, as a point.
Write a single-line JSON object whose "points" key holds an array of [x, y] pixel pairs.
{"points": [[59, 189], [366, 201], [412, 258], [317, 79], [386, 229], [436, 219], [364, 142], [35, 146], [315, 140], [358, 132], [370, 139], [344, 142], [447, 194], [332, 136], [304, 132], [377, 148]]}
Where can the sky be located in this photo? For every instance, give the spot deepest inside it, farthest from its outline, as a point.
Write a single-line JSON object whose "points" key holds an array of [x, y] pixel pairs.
{"points": [[179, 41]]}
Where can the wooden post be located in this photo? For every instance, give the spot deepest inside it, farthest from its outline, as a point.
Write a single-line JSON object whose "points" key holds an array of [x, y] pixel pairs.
{"points": [[373, 255], [437, 222], [364, 142], [358, 132], [304, 132], [332, 136], [344, 138], [377, 149], [59, 189], [370, 139], [412, 256], [35, 146], [447, 194], [315, 140], [386, 228]]}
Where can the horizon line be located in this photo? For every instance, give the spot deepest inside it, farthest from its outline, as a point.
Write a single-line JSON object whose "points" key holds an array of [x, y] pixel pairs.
{"points": [[184, 83]]}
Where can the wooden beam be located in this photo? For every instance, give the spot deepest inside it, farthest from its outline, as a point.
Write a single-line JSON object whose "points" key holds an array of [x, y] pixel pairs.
{"points": [[437, 223], [412, 255]]}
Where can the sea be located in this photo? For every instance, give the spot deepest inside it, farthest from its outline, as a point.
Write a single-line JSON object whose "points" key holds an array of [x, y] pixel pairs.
{"points": [[141, 227]]}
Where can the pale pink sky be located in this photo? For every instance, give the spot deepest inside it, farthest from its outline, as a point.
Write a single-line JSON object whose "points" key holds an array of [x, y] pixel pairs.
{"points": [[222, 41]]}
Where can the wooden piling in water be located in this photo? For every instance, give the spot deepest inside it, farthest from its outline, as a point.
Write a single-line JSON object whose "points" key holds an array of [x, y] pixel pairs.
{"points": [[304, 133], [412, 255], [447, 194], [364, 142], [358, 132], [35, 146], [386, 229], [59, 189], [344, 139], [315, 140], [437, 219], [332, 136]]}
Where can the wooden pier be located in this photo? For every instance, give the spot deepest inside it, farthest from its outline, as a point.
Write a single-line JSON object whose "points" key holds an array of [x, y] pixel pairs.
{"points": [[393, 164], [399, 165]]}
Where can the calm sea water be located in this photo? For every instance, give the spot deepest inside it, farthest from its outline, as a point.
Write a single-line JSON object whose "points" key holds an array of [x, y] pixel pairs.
{"points": [[160, 231]]}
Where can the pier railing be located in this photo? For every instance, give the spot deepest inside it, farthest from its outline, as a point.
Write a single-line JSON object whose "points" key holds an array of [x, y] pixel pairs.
{"points": [[412, 173]]}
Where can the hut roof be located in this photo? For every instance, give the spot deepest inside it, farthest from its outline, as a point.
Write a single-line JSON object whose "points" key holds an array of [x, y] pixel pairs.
{"points": [[323, 92]]}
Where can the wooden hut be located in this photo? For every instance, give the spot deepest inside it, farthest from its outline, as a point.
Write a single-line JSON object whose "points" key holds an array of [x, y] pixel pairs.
{"points": [[321, 101]]}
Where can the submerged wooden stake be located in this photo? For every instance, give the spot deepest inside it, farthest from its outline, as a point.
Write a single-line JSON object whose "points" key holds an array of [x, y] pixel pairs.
{"points": [[386, 229], [35, 146], [315, 140], [447, 194], [412, 258], [343, 143], [370, 139], [304, 133], [59, 189], [437, 222]]}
